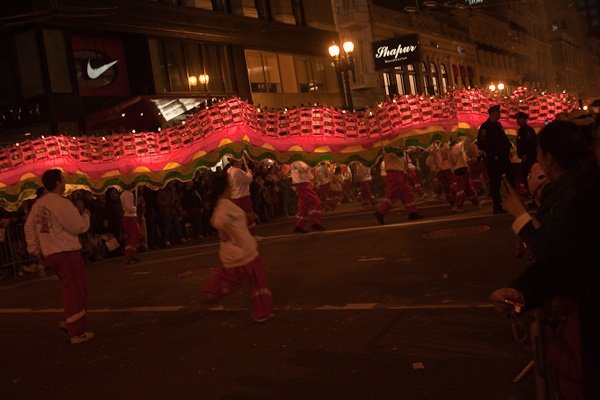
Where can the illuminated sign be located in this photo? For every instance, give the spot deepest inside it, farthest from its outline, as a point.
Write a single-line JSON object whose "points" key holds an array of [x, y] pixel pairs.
{"points": [[397, 51]]}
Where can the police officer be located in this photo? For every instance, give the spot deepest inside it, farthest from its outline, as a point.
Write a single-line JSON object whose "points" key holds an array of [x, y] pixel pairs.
{"points": [[495, 146], [526, 144]]}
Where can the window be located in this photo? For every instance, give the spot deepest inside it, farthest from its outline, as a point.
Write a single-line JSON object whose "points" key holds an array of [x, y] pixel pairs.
{"points": [[263, 9], [395, 83], [286, 73], [310, 74], [263, 71], [445, 82], [387, 84], [298, 10], [400, 81], [174, 62], [434, 79], [412, 78], [426, 78]]}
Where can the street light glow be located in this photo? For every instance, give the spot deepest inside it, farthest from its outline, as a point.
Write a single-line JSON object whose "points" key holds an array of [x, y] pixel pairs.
{"points": [[334, 50], [203, 79], [492, 87], [348, 47], [501, 86]]}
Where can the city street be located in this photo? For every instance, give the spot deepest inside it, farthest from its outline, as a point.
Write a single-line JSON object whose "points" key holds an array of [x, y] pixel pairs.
{"points": [[363, 311]]}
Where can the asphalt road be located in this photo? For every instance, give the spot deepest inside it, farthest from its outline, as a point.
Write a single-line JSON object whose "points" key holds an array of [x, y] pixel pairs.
{"points": [[362, 312]]}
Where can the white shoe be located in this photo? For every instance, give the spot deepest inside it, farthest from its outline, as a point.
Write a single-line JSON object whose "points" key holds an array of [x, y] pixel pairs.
{"points": [[82, 338]]}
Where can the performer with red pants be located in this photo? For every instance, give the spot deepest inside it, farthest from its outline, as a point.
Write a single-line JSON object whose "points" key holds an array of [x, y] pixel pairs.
{"points": [[445, 175], [396, 188], [238, 253], [132, 232], [363, 176], [460, 170], [477, 171], [309, 204], [52, 229], [239, 184]]}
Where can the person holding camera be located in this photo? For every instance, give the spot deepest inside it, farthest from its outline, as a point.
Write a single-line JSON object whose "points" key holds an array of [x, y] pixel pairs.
{"points": [[564, 277]]}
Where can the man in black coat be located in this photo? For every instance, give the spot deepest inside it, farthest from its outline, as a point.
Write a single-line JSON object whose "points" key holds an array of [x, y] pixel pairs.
{"points": [[526, 144], [495, 146]]}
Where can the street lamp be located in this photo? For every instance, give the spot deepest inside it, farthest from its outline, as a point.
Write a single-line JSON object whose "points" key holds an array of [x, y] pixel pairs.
{"points": [[344, 64], [499, 87]]}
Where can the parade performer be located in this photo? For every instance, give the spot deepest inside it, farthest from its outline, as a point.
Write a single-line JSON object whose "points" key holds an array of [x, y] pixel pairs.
{"points": [[238, 253], [494, 144], [432, 170], [132, 232], [460, 169], [477, 172], [364, 178], [445, 176], [239, 182], [309, 204], [51, 231], [323, 176], [396, 187], [414, 178]]}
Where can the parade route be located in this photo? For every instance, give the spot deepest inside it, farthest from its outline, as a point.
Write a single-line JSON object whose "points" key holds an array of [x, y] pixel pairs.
{"points": [[363, 311]]}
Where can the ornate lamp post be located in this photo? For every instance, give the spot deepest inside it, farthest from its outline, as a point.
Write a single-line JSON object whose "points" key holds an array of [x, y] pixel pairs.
{"points": [[344, 64]]}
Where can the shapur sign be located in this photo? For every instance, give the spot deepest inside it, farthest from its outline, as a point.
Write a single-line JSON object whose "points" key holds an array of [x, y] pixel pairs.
{"points": [[397, 51]]}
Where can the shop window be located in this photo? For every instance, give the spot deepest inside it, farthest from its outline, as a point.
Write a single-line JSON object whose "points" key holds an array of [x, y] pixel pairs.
{"points": [[426, 78], [400, 80], [310, 74], [434, 79], [444, 81], [263, 72], [175, 62], [412, 79], [396, 83], [387, 84]]}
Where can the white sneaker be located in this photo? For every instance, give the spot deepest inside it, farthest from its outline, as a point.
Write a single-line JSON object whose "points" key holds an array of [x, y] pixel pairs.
{"points": [[82, 338]]}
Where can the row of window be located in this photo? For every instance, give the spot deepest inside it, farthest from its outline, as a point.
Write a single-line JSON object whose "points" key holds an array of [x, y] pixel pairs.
{"points": [[286, 73], [431, 81], [175, 62]]}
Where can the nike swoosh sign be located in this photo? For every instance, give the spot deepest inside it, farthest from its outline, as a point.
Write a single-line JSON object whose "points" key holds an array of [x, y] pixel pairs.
{"points": [[94, 73]]}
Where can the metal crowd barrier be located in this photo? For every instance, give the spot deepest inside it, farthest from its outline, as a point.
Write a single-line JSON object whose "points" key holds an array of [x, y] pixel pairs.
{"points": [[13, 249]]}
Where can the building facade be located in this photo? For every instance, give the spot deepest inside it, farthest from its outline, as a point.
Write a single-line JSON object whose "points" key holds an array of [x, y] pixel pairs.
{"points": [[464, 44], [122, 65], [575, 51]]}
